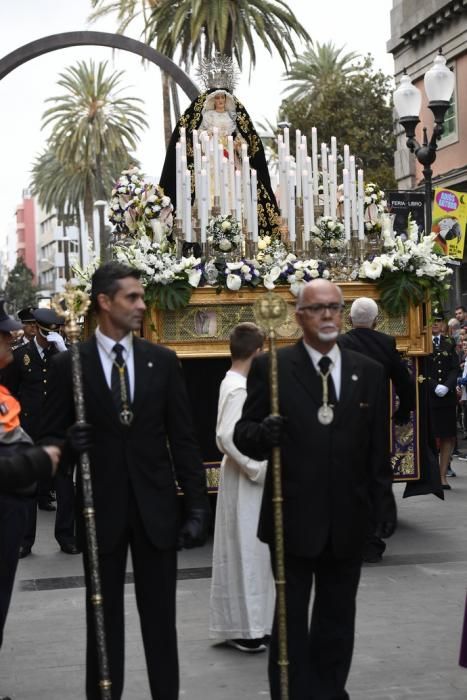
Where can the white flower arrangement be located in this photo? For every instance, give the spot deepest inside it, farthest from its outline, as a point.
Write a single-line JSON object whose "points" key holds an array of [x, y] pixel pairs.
{"points": [[138, 206], [224, 233], [328, 234], [375, 206]]}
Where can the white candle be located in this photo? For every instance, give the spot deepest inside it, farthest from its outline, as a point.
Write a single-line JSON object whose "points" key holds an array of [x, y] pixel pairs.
{"points": [[306, 205], [246, 193], [291, 205], [353, 194], [197, 170], [360, 204], [310, 192], [204, 204], [334, 147], [282, 181], [238, 197], [184, 185], [287, 141], [215, 152], [225, 186], [254, 206], [314, 158], [188, 206], [298, 161], [346, 180], [230, 148], [178, 178], [332, 187], [205, 166], [324, 170], [346, 156]]}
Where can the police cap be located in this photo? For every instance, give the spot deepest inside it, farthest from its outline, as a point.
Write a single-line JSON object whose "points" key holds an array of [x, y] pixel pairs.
{"points": [[48, 320], [26, 315]]}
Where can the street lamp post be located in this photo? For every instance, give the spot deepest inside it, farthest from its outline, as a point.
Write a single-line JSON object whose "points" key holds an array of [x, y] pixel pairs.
{"points": [[439, 86]]}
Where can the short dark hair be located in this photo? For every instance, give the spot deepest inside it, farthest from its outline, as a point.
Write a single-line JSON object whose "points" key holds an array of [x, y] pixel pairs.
{"points": [[462, 308], [106, 280], [245, 339]]}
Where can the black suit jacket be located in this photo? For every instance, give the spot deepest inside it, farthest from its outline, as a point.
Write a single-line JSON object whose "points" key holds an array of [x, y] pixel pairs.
{"points": [[335, 478], [382, 348], [27, 377], [443, 368], [148, 457]]}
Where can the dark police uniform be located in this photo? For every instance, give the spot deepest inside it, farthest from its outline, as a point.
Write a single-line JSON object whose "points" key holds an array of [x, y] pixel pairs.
{"points": [[27, 378], [443, 368]]}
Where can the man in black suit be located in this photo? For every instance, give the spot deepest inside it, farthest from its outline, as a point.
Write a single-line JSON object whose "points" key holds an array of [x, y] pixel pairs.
{"points": [[364, 338], [334, 473], [142, 441], [28, 379]]}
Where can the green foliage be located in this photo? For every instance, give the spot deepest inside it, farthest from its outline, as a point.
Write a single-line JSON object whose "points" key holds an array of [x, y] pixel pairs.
{"points": [[353, 104], [169, 297], [400, 290], [19, 288]]}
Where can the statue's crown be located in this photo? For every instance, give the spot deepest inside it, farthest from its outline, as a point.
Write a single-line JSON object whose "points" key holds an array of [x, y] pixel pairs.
{"points": [[218, 72]]}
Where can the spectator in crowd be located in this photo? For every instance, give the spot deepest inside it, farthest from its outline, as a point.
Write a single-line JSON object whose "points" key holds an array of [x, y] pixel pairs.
{"points": [[461, 315]]}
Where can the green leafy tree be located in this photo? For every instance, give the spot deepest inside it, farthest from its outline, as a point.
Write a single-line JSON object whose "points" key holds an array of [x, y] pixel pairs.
{"points": [[356, 108], [94, 132], [20, 290]]}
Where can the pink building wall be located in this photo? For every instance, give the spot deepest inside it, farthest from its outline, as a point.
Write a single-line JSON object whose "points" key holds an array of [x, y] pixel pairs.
{"points": [[453, 155], [26, 233]]}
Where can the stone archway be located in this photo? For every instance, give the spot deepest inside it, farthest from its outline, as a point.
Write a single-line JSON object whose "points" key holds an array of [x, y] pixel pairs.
{"points": [[116, 41]]}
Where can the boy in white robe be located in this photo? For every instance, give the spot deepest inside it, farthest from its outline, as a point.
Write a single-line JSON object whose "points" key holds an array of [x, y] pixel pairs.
{"points": [[242, 589]]}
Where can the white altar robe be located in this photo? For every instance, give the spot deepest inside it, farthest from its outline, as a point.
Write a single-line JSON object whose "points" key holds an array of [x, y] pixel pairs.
{"points": [[242, 588]]}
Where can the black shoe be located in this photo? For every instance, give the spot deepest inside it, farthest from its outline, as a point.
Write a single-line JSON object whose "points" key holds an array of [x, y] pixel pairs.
{"points": [[445, 487], [372, 558], [450, 472], [5, 697], [46, 505], [24, 551], [250, 646], [70, 548]]}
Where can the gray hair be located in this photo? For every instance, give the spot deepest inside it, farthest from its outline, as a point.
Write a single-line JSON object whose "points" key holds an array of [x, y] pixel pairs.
{"points": [[363, 312]]}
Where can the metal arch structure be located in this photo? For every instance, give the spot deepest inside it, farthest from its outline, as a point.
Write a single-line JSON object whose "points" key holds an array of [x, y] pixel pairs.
{"points": [[115, 41]]}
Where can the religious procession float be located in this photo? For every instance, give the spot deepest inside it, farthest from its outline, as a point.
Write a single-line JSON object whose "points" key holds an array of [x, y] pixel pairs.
{"points": [[214, 234]]}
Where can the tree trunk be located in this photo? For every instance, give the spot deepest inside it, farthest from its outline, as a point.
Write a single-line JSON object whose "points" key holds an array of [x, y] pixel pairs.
{"points": [[175, 100], [103, 235], [166, 108]]}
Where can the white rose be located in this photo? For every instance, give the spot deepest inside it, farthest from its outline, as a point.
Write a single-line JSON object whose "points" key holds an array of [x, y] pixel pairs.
{"points": [[299, 275], [371, 270], [226, 225], [233, 282], [313, 273], [194, 277], [165, 201], [225, 245], [267, 240], [262, 244], [245, 269]]}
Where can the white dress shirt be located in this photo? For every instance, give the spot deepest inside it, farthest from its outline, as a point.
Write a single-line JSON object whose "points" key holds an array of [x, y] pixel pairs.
{"points": [[105, 347], [335, 367]]}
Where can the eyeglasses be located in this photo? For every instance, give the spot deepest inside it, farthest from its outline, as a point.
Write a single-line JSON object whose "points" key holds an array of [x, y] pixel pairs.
{"points": [[314, 309]]}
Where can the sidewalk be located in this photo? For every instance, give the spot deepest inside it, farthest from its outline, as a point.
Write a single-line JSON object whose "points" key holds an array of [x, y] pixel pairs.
{"points": [[409, 619]]}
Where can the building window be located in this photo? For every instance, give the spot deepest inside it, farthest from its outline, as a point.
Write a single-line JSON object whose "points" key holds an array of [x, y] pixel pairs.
{"points": [[450, 120]]}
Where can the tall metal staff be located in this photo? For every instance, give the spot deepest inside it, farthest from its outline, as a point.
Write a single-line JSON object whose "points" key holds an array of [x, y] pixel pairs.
{"points": [[72, 304], [271, 312]]}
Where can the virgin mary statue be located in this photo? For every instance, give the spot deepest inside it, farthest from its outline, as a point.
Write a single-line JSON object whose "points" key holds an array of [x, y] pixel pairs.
{"points": [[218, 107]]}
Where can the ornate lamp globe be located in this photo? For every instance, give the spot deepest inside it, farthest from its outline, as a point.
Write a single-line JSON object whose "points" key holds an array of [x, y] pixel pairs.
{"points": [[439, 81], [407, 99]]}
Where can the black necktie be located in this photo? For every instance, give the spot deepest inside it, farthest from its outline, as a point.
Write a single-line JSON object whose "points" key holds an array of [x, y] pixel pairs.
{"points": [[117, 377], [324, 364]]}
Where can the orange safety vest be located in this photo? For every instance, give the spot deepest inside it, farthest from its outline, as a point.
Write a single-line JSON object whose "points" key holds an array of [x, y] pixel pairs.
{"points": [[9, 411]]}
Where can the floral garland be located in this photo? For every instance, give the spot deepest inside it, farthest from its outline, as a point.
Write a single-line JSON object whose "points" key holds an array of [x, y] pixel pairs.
{"points": [[328, 234], [138, 206], [224, 233], [409, 272]]}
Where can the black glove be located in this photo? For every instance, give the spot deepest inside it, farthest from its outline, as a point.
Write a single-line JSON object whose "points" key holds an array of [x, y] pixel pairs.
{"points": [[272, 429], [80, 437], [400, 418], [194, 531], [386, 529]]}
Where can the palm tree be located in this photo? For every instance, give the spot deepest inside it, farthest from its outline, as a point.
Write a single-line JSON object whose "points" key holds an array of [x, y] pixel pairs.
{"points": [[94, 131], [225, 26], [319, 66]]}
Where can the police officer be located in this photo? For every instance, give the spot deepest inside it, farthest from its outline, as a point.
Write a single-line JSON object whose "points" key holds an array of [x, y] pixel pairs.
{"points": [[442, 370], [26, 316], [27, 379]]}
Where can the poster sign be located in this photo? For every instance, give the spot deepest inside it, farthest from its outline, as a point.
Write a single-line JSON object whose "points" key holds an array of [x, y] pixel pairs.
{"points": [[449, 221], [403, 203]]}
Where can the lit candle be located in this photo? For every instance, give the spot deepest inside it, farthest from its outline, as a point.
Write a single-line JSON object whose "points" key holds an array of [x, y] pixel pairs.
{"points": [[360, 205], [314, 158], [254, 206], [346, 180]]}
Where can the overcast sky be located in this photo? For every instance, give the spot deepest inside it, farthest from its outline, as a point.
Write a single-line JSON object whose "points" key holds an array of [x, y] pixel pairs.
{"points": [[361, 25]]}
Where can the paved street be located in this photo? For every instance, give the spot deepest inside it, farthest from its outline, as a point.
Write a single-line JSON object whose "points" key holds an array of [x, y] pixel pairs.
{"points": [[409, 619]]}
